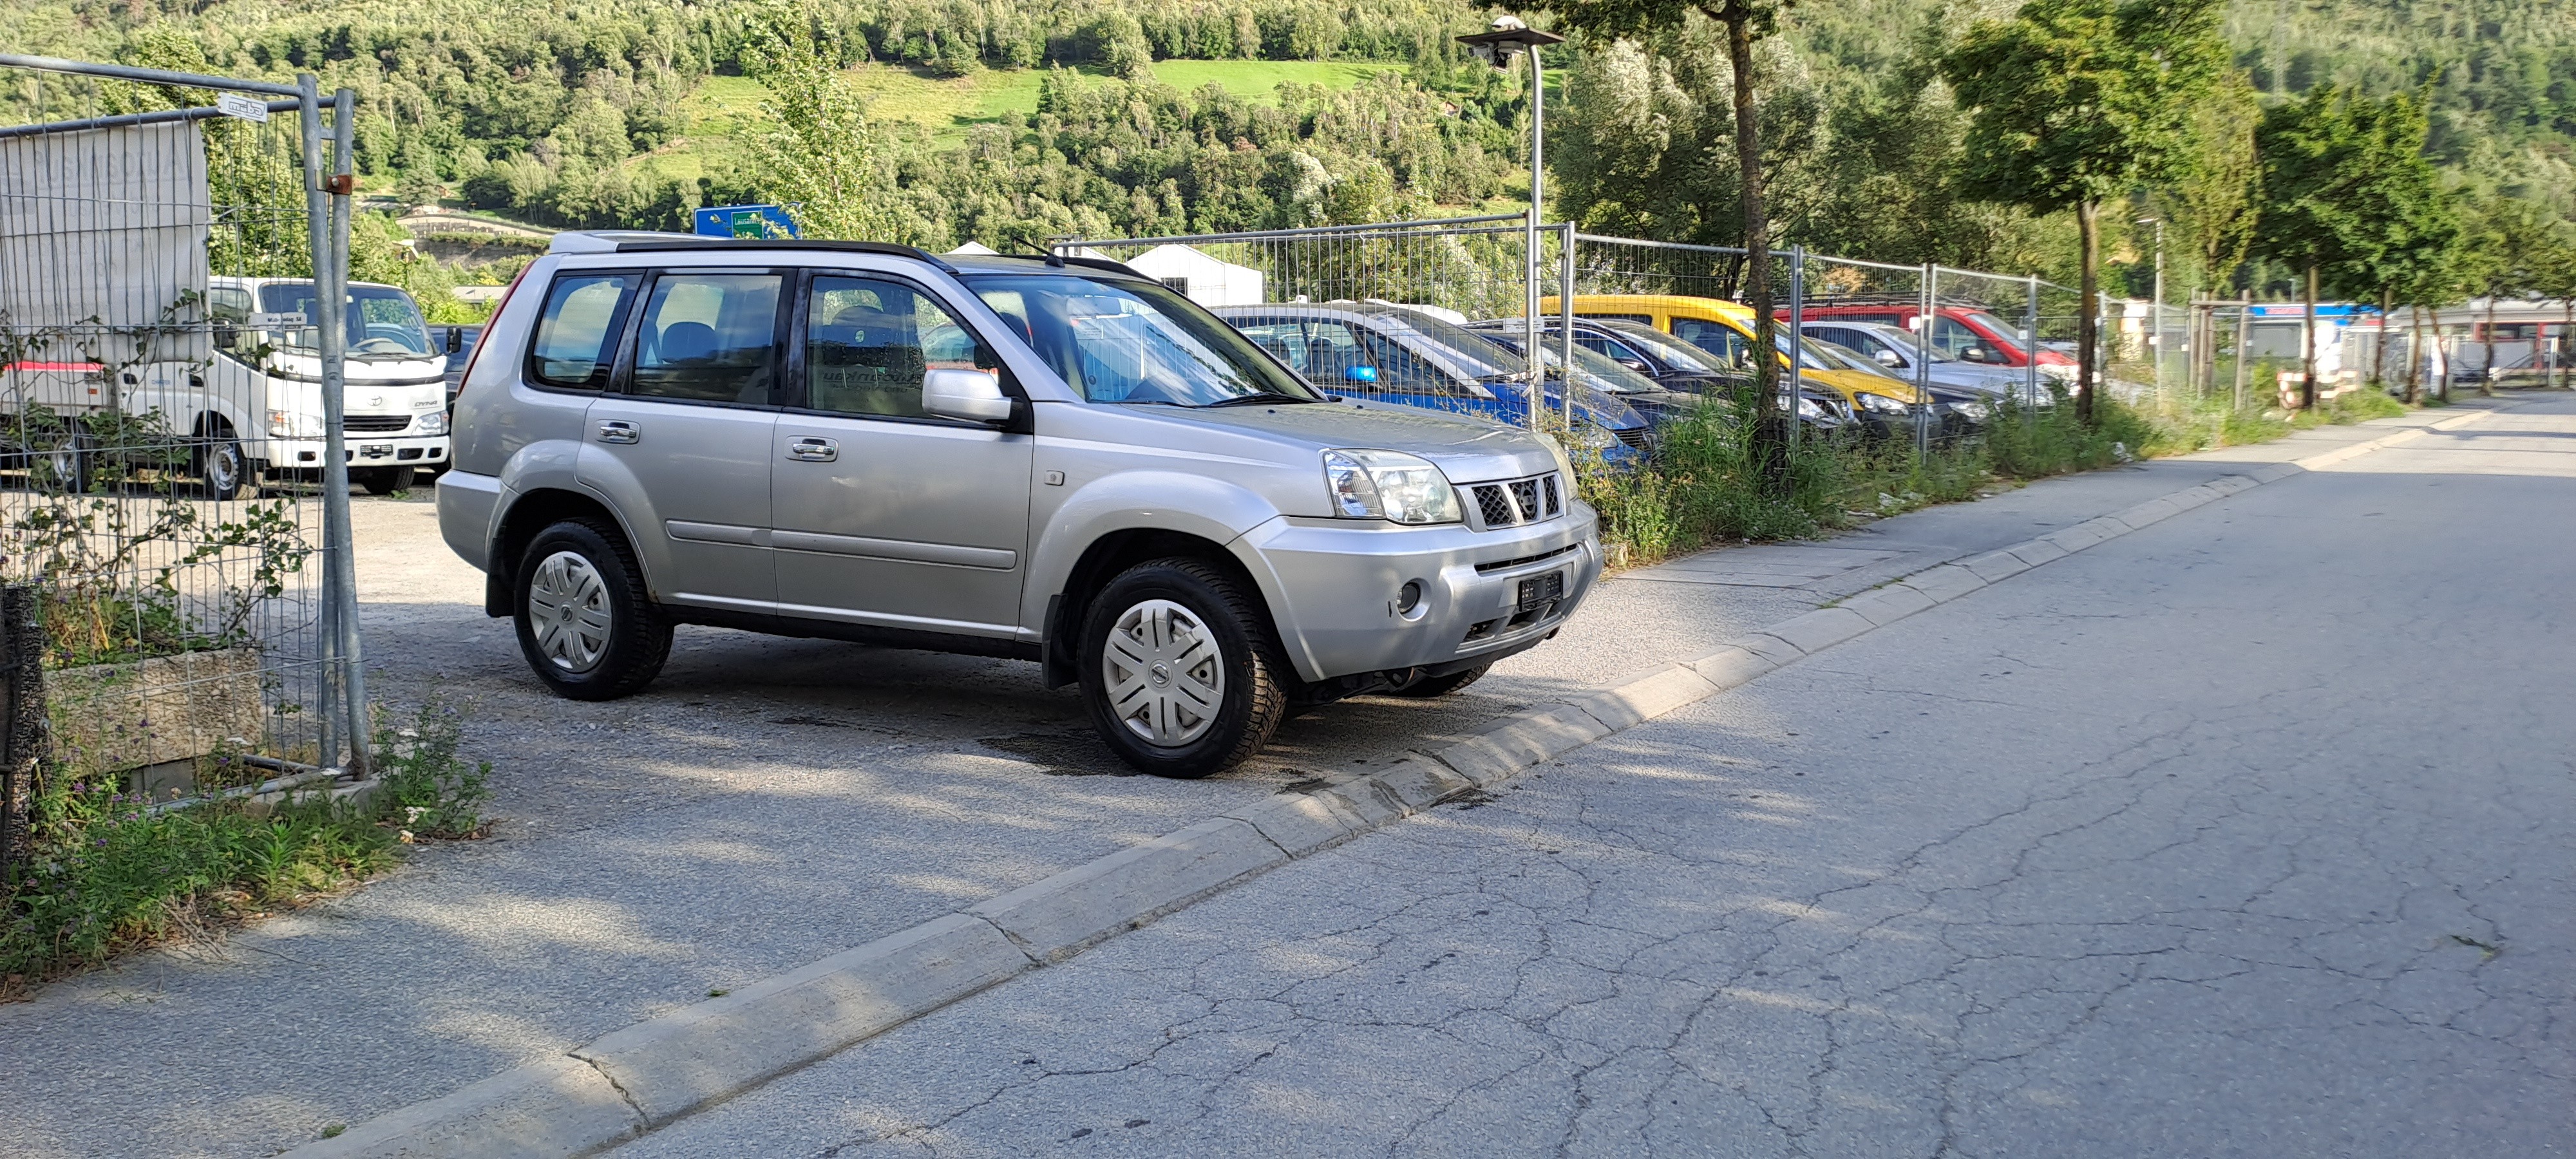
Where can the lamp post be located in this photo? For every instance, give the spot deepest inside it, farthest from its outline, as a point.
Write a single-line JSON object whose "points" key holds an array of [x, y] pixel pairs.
{"points": [[1496, 46], [2158, 314]]}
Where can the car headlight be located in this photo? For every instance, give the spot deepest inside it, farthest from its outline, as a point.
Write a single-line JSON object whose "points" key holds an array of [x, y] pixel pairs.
{"points": [[1564, 462], [1389, 485], [290, 424], [430, 423], [1881, 404], [1809, 410], [1976, 411]]}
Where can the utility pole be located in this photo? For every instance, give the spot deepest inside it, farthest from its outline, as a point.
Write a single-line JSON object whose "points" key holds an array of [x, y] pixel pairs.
{"points": [[2156, 315], [1507, 37]]}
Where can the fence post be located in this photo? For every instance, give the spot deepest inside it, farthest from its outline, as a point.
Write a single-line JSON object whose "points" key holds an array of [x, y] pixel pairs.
{"points": [[335, 475], [1923, 364], [2030, 352], [1797, 336], [335, 511], [22, 717], [1565, 317]]}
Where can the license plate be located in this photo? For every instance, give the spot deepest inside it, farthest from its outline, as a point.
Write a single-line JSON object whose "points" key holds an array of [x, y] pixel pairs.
{"points": [[1542, 589], [376, 451]]}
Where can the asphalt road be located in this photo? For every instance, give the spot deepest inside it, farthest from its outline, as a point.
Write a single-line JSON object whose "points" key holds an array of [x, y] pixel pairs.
{"points": [[2251, 833]]}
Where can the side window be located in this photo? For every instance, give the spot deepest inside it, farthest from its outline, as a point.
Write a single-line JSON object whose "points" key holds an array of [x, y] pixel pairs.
{"points": [[1285, 341], [709, 338], [1616, 351], [1952, 337], [229, 309], [577, 333], [1716, 338], [868, 343], [1399, 368]]}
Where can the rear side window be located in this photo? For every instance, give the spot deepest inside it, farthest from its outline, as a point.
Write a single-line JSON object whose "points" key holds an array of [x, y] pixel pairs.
{"points": [[709, 338], [1718, 339], [577, 334]]}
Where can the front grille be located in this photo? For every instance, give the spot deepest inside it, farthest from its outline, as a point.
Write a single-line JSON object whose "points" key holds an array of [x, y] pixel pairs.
{"points": [[1514, 502], [1501, 564], [374, 424], [1637, 437]]}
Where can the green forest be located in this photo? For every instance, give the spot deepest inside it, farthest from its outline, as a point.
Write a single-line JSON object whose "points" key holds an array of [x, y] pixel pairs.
{"points": [[1011, 123]]}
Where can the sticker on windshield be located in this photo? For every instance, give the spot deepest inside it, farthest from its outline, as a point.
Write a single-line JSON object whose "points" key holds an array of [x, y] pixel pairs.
{"points": [[279, 320]]}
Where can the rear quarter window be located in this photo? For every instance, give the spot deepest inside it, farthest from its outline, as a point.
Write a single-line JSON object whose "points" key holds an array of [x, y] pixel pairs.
{"points": [[576, 341]]}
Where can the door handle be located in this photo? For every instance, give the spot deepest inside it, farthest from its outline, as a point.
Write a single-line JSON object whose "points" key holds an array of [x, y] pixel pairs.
{"points": [[812, 450], [618, 431]]}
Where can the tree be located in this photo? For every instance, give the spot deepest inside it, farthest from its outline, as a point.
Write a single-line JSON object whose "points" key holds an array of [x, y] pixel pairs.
{"points": [[1746, 22], [2309, 150], [2076, 102], [2502, 243], [2212, 195], [817, 154], [2555, 263]]}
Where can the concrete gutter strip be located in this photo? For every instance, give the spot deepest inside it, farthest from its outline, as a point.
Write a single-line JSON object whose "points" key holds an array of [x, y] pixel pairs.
{"points": [[644, 1076]]}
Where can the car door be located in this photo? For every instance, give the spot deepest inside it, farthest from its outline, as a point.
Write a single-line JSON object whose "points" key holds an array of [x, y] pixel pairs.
{"points": [[682, 444], [885, 515]]}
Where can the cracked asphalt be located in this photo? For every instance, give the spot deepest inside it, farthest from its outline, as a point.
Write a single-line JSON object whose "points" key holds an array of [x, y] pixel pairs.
{"points": [[2251, 833]]}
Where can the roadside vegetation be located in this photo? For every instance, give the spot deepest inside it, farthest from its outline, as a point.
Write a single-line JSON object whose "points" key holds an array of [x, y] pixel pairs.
{"points": [[1706, 484], [114, 871]]}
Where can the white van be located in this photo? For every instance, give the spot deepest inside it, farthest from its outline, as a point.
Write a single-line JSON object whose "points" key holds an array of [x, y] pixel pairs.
{"points": [[252, 407], [264, 384]]}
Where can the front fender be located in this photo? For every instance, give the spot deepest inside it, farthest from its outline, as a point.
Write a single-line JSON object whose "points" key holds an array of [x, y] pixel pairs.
{"points": [[1146, 500]]}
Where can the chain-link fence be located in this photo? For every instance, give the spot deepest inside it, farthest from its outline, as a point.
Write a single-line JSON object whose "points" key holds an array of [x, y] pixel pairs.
{"points": [[174, 328]]}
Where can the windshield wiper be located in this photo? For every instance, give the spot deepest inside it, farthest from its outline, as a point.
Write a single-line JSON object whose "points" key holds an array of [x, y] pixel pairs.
{"points": [[1260, 396]]}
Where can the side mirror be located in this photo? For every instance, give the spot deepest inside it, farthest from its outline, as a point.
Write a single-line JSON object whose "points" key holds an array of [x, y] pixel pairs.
{"points": [[455, 339], [1889, 358], [1359, 374], [1635, 364], [1975, 354], [971, 395]]}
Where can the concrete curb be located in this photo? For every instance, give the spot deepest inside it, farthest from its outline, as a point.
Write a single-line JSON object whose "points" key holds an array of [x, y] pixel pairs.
{"points": [[644, 1076]]}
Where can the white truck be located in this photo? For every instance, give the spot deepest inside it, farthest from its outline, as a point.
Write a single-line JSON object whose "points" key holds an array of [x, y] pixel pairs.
{"points": [[252, 405]]}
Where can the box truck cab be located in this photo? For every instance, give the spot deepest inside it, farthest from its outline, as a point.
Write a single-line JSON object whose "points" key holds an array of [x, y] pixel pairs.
{"points": [[260, 397]]}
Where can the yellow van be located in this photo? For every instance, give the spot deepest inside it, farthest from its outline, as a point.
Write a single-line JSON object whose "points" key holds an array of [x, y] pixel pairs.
{"points": [[1725, 329]]}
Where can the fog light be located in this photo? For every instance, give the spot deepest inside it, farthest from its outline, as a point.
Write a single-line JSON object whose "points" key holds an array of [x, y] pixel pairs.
{"points": [[1408, 597]]}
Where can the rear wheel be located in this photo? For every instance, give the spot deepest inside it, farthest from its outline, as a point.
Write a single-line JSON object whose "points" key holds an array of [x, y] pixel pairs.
{"points": [[586, 624], [1180, 674], [1431, 686], [60, 461]]}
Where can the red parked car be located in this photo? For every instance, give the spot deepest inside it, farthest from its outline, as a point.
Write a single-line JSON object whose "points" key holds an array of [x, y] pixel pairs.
{"points": [[1966, 333]]}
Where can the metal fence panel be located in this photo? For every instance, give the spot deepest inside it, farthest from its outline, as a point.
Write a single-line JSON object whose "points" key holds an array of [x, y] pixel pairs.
{"points": [[168, 421]]}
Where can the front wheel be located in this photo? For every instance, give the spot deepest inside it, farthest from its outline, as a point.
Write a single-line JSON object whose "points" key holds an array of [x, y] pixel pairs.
{"points": [[60, 462], [1431, 686], [220, 464], [586, 624], [1181, 675]]}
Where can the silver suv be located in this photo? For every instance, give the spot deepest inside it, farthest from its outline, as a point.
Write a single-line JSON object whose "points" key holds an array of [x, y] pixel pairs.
{"points": [[1052, 460]]}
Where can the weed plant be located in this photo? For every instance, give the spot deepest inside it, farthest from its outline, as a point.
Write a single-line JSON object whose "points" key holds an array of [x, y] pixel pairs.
{"points": [[111, 872]]}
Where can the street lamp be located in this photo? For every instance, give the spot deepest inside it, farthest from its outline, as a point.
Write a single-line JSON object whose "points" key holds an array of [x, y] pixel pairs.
{"points": [[1496, 46], [2159, 312]]}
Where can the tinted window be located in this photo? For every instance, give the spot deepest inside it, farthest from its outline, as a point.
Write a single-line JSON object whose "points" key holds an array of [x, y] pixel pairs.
{"points": [[709, 337], [577, 332], [868, 343], [1953, 338]]}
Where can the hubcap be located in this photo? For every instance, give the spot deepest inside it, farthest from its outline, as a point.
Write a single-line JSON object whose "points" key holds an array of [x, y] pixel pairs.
{"points": [[1164, 673], [223, 467], [568, 612]]}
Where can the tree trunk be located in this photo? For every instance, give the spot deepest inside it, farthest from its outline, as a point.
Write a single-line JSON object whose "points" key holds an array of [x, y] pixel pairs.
{"points": [[2486, 371], [2308, 341], [2414, 347], [2379, 349], [1770, 435], [2088, 324], [2567, 344]]}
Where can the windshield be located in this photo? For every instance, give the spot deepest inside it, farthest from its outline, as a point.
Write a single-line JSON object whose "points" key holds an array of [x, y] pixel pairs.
{"points": [[2002, 335], [383, 324], [1681, 356], [1850, 359], [1121, 340], [1467, 351]]}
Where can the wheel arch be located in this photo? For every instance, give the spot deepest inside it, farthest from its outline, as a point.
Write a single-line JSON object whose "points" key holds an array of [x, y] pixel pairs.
{"points": [[1107, 556], [520, 522]]}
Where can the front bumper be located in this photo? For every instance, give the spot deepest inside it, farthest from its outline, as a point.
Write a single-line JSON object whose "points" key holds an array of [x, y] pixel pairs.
{"points": [[356, 450], [1333, 587]]}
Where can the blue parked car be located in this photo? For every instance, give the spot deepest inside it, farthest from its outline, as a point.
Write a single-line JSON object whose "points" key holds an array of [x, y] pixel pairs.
{"points": [[1391, 354]]}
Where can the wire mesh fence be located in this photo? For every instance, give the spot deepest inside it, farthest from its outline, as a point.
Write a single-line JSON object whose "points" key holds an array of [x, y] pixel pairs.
{"points": [[171, 356]]}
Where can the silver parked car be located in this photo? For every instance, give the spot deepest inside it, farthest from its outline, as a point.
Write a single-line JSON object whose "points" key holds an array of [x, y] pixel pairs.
{"points": [[1894, 350], [1062, 462]]}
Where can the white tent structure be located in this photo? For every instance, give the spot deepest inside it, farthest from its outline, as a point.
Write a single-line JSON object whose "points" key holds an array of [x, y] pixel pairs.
{"points": [[1204, 279], [974, 247]]}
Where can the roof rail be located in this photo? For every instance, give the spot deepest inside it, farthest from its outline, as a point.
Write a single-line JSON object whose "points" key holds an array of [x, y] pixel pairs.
{"points": [[671, 243], [1061, 260]]}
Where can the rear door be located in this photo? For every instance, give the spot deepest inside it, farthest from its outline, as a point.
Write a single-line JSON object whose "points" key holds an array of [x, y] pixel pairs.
{"points": [[885, 515], [682, 446]]}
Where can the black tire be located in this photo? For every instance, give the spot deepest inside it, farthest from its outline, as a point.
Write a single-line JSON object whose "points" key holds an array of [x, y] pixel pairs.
{"points": [[1431, 686], [1253, 677], [382, 480], [637, 636], [219, 461]]}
